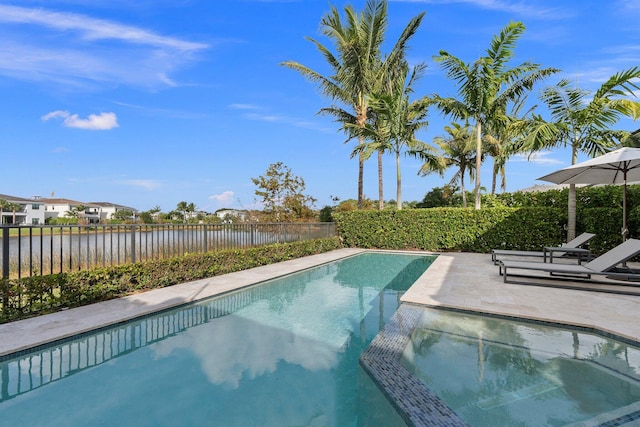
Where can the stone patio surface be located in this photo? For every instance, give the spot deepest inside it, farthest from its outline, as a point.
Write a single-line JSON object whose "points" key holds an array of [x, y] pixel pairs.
{"points": [[455, 280]]}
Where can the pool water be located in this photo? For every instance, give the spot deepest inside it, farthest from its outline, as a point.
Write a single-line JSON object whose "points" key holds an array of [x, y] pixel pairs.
{"points": [[498, 372], [281, 353]]}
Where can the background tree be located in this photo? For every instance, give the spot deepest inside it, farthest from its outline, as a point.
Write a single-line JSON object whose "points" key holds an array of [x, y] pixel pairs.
{"points": [[446, 196], [282, 195], [76, 212], [151, 216], [10, 207], [503, 138], [357, 65], [458, 151], [396, 122], [488, 85], [186, 210], [124, 215], [3, 207], [582, 120]]}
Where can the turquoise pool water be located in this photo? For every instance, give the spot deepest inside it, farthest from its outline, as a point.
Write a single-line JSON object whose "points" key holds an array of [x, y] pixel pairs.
{"points": [[281, 353], [498, 372]]}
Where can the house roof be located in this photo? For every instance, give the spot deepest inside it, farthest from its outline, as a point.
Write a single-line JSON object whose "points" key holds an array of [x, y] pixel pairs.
{"points": [[17, 199], [65, 202], [112, 205]]}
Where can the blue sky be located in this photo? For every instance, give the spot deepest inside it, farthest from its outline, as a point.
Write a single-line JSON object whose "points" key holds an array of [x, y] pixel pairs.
{"points": [[153, 102]]}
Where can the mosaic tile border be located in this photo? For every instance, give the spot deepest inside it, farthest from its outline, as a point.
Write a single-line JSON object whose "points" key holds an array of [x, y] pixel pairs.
{"points": [[416, 404]]}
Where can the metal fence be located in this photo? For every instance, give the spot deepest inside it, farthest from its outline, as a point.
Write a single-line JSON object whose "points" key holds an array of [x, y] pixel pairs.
{"points": [[48, 249]]}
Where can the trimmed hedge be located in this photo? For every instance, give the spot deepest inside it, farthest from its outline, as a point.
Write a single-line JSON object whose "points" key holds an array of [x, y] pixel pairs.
{"points": [[470, 230], [44, 294]]}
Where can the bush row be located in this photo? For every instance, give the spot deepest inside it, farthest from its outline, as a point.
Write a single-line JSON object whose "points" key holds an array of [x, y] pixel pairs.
{"points": [[470, 230], [43, 294]]}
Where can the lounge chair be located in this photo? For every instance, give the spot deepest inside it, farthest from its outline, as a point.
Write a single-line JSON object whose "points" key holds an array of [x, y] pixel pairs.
{"points": [[603, 265], [573, 250]]}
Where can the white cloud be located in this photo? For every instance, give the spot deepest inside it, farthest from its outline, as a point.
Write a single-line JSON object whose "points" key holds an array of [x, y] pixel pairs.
{"points": [[224, 197], [102, 121], [90, 28], [87, 51], [519, 8], [539, 157], [146, 184], [244, 107]]}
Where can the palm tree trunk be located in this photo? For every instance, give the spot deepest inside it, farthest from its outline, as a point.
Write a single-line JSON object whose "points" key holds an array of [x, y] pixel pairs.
{"points": [[361, 121], [494, 178], [380, 189], [464, 192], [478, 161], [399, 182], [360, 180]]}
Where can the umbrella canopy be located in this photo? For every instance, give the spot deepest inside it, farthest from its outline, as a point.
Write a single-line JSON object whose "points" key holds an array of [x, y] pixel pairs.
{"points": [[616, 167]]}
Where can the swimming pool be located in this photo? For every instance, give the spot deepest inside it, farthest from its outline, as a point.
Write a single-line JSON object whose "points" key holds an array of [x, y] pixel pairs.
{"points": [[284, 352], [501, 372]]}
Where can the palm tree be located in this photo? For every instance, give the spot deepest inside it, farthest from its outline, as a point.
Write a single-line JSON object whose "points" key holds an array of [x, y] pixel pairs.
{"points": [[3, 207], [488, 85], [583, 121], [457, 150], [503, 138], [13, 207], [396, 122], [357, 65]]}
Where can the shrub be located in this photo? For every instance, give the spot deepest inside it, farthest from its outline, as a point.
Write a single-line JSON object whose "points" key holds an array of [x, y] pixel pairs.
{"points": [[44, 294]]}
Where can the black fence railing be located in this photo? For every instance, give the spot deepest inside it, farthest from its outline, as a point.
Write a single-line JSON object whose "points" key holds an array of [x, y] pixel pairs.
{"points": [[49, 249]]}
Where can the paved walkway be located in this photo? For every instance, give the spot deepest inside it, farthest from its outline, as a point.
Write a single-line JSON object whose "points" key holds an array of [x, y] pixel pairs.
{"points": [[471, 282], [456, 280]]}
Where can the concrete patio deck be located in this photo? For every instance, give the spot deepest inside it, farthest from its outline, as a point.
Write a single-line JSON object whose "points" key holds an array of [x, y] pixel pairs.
{"points": [[455, 280]]}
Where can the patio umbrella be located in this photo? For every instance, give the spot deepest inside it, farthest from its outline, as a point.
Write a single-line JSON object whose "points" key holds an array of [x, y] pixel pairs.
{"points": [[616, 167]]}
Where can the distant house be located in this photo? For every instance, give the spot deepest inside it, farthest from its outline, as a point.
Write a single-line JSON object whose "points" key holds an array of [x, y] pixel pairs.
{"points": [[31, 211], [229, 215], [108, 210], [61, 208]]}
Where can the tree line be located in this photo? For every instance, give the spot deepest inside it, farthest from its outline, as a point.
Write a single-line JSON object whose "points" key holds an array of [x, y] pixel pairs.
{"points": [[374, 103]]}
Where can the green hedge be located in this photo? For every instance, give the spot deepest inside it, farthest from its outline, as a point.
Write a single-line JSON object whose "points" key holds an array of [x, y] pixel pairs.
{"points": [[44, 294], [470, 230]]}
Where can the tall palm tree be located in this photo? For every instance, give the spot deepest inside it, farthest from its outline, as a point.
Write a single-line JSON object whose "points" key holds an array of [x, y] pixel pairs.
{"points": [[357, 65], [582, 120], [488, 85], [397, 120], [457, 150]]}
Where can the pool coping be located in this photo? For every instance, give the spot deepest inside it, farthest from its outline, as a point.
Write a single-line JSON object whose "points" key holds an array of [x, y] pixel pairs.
{"points": [[22, 335]]}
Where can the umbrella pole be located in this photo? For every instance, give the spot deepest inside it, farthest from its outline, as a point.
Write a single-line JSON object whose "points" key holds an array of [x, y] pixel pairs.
{"points": [[625, 232]]}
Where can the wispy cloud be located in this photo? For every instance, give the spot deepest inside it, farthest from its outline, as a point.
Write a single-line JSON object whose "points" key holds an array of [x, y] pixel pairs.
{"points": [[518, 8], [166, 112], [257, 113], [540, 157], [102, 121], [146, 184], [243, 107], [87, 50], [224, 197]]}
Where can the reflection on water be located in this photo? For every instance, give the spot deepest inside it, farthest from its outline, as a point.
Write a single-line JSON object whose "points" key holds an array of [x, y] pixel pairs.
{"points": [[282, 353], [500, 372]]}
